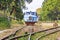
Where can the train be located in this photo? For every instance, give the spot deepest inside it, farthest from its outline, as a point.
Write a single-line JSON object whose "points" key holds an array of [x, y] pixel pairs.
{"points": [[30, 17]]}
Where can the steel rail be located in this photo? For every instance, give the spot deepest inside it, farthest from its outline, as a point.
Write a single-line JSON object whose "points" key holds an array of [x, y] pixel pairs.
{"points": [[34, 33]]}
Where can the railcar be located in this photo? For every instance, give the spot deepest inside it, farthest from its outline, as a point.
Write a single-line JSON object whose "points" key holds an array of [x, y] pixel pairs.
{"points": [[30, 18]]}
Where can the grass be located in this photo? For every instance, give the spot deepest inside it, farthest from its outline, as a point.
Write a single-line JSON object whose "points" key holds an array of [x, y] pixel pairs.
{"points": [[48, 37], [59, 21], [4, 24], [14, 21], [23, 38], [52, 36], [33, 37]]}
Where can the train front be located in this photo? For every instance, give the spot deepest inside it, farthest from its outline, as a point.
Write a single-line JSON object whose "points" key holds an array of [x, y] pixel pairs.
{"points": [[30, 18]]}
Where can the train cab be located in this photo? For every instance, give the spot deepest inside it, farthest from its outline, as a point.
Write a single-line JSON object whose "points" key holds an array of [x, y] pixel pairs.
{"points": [[30, 18]]}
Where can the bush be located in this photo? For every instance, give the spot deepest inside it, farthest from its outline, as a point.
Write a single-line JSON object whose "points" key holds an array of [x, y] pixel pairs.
{"points": [[4, 23], [20, 22]]}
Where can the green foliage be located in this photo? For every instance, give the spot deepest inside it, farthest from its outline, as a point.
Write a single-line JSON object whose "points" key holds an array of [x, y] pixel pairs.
{"points": [[18, 13], [35, 36], [50, 10], [13, 6], [20, 22], [23, 38], [4, 23]]}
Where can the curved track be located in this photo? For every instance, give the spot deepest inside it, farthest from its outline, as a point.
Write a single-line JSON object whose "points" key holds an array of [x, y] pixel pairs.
{"points": [[47, 31], [13, 33]]}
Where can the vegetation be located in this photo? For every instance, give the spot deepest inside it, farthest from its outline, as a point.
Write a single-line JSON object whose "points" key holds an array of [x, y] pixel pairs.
{"points": [[50, 10], [38, 11], [23, 38], [35, 36], [10, 8], [4, 23], [53, 36]]}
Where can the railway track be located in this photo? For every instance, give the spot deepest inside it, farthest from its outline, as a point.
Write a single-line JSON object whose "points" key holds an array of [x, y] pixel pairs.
{"points": [[47, 31], [7, 37], [46, 35], [11, 33]]}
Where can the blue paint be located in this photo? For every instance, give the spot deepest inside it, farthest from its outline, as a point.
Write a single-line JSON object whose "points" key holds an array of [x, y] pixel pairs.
{"points": [[33, 15]]}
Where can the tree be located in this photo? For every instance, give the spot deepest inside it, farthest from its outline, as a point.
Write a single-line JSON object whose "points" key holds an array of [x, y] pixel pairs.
{"points": [[50, 10], [12, 6]]}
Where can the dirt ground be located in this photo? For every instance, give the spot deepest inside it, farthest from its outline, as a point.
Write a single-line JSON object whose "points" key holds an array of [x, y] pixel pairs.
{"points": [[37, 27]]}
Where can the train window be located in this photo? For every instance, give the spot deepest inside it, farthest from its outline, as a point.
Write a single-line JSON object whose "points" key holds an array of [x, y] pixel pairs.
{"points": [[32, 13], [27, 13]]}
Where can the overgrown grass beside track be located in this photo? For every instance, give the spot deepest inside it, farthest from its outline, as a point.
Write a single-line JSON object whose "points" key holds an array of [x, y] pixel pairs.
{"points": [[23, 38], [53, 36], [50, 36], [4, 23], [33, 37]]}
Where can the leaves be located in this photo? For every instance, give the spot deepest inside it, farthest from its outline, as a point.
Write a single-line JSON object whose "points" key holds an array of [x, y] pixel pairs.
{"points": [[50, 9], [12, 6]]}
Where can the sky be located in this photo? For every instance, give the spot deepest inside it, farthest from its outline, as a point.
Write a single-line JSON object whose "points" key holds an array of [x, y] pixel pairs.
{"points": [[34, 5]]}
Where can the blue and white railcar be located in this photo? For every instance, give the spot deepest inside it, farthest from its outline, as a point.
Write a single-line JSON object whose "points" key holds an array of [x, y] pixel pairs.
{"points": [[30, 17]]}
